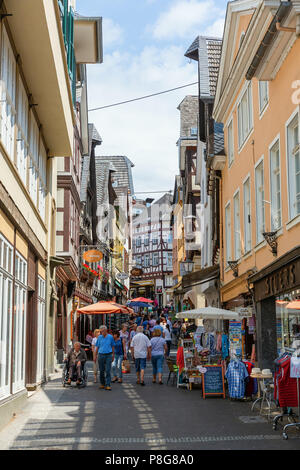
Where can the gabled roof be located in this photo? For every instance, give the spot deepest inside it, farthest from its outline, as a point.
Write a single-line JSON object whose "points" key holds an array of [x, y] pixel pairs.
{"points": [[102, 176], [207, 51], [123, 174]]}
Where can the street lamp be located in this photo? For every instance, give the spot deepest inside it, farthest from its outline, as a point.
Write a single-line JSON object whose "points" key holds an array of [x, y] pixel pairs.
{"points": [[187, 266]]}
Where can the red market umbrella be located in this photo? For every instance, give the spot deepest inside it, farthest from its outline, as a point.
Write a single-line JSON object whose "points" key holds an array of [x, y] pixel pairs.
{"points": [[104, 307], [142, 299]]}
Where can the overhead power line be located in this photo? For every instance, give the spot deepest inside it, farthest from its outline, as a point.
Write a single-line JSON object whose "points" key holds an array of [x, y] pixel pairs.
{"points": [[143, 97], [152, 192]]}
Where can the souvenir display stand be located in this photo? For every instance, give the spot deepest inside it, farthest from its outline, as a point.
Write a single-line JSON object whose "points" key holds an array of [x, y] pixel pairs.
{"points": [[264, 392]]}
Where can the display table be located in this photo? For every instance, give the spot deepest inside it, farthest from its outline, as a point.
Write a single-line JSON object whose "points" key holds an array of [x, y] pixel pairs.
{"points": [[264, 391], [194, 373]]}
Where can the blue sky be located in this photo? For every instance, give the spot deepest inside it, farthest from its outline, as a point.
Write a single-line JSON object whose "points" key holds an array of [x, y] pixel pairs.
{"points": [[144, 42]]}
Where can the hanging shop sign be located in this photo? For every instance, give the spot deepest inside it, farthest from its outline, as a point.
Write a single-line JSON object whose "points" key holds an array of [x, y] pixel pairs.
{"points": [[122, 276], [280, 281], [213, 381], [92, 256], [244, 312], [136, 272]]}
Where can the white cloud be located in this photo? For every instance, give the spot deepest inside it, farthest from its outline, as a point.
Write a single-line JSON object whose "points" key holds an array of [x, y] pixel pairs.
{"points": [[112, 33], [145, 131], [186, 18]]}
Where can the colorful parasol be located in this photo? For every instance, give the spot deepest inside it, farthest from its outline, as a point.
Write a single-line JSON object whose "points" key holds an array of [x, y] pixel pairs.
{"points": [[142, 299], [104, 307]]}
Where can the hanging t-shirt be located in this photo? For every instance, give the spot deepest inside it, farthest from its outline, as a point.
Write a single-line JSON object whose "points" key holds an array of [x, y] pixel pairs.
{"points": [[295, 367], [236, 375]]}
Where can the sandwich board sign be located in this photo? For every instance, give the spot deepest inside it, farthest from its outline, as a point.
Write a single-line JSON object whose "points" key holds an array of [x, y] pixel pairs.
{"points": [[213, 381]]}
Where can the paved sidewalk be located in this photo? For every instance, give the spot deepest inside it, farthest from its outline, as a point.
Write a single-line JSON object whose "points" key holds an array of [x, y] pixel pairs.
{"points": [[155, 417]]}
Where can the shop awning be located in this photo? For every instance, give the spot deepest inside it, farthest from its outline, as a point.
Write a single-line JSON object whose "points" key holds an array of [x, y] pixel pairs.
{"points": [[206, 313], [142, 283], [294, 305]]}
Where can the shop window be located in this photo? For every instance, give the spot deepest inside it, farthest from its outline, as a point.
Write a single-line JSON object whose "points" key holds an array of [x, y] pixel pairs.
{"points": [[237, 230], [146, 261], [288, 320], [260, 201], [169, 261], [22, 140], [275, 187], [41, 328], [228, 232], [6, 283], [19, 323], [293, 167], [245, 121], [263, 89], [155, 259], [8, 91], [42, 180], [34, 157], [247, 216]]}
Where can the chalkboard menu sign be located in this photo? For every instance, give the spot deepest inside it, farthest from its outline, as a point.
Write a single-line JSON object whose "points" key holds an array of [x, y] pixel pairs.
{"points": [[213, 381]]}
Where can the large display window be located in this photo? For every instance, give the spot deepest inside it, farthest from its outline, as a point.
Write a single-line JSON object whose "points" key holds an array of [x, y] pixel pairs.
{"points": [[288, 319]]}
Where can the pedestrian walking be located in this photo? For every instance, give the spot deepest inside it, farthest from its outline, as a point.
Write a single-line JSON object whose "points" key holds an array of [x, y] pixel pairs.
{"points": [[119, 356], [140, 350], [96, 334], [124, 335], [105, 349], [151, 323], [167, 335], [158, 349], [131, 335], [158, 327]]}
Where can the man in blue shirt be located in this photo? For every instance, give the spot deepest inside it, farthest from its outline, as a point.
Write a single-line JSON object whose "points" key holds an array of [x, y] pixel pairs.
{"points": [[105, 349]]}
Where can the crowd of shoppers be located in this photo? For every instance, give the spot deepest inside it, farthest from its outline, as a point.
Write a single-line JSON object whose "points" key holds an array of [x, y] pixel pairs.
{"points": [[144, 338]]}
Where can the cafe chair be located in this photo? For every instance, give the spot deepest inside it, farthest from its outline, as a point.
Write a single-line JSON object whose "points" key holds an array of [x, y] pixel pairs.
{"points": [[173, 369]]}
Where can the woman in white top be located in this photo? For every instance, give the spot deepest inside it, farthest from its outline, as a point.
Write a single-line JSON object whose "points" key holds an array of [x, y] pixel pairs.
{"points": [[124, 335], [96, 334], [167, 334]]}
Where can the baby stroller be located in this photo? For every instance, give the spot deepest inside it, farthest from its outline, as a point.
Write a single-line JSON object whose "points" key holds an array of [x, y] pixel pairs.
{"points": [[74, 378]]}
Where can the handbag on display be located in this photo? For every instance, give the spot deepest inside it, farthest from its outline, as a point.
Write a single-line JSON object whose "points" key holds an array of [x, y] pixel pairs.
{"points": [[126, 366]]}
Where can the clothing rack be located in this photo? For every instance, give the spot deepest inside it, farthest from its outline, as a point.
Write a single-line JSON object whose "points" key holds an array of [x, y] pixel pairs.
{"points": [[297, 424], [287, 411]]}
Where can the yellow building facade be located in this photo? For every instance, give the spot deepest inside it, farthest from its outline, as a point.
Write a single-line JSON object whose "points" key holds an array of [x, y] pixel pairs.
{"points": [[260, 198]]}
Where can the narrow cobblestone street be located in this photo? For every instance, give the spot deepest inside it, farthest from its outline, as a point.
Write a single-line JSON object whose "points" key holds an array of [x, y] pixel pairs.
{"points": [[131, 417]]}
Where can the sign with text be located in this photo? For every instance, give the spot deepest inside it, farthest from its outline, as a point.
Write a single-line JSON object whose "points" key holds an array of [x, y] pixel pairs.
{"points": [[213, 381], [244, 312], [92, 256]]}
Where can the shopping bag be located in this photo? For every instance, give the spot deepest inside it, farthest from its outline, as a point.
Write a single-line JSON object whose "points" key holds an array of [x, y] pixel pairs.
{"points": [[126, 367]]}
